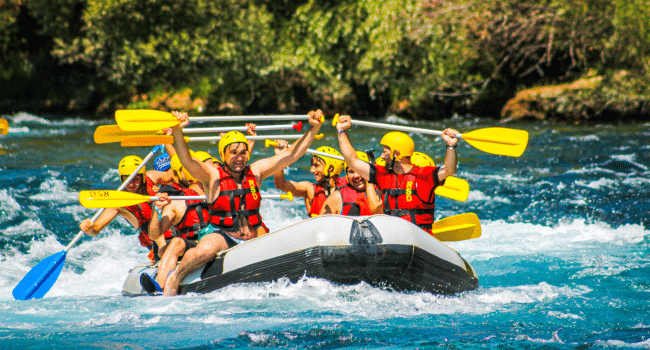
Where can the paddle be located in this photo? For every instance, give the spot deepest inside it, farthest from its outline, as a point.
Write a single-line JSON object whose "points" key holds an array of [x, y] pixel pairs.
{"points": [[501, 141], [454, 188], [113, 133], [38, 281], [147, 119], [4, 126], [150, 140], [117, 199], [457, 228]]}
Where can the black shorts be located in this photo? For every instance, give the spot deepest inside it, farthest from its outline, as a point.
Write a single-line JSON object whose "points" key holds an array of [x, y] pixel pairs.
{"points": [[189, 243]]}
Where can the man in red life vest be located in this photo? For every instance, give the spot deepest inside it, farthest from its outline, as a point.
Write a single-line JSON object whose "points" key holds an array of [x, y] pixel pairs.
{"points": [[232, 192], [137, 215], [353, 194], [407, 190], [185, 218], [326, 171]]}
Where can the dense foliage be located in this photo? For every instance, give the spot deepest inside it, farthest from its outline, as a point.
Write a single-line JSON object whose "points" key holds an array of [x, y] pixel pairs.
{"points": [[424, 59]]}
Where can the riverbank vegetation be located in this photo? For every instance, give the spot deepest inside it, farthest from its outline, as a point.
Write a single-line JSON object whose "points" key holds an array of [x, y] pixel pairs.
{"points": [[424, 59]]}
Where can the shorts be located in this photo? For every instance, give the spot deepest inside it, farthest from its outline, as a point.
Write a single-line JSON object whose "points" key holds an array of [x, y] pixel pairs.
{"points": [[230, 241]]}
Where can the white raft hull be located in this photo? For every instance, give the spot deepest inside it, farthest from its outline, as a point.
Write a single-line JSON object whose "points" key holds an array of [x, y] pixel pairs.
{"points": [[381, 250]]}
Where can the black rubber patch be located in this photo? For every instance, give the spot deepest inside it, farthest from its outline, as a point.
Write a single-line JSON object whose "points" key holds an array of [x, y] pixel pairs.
{"points": [[364, 233]]}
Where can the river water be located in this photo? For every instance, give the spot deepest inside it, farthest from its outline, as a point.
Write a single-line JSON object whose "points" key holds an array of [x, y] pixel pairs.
{"points": [[563, 262]]}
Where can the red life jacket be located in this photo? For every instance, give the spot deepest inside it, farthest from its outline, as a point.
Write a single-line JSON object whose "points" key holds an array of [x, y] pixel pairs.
{"points": [[142, 213], [410, 196], [225, 210], [319, 199], [192, 222], [355, 203]]}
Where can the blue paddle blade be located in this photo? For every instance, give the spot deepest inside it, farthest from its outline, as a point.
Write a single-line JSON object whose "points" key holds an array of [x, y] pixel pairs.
{"points": [[38, 281]]}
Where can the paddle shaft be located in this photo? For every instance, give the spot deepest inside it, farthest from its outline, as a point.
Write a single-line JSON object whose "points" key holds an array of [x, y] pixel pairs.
{"points": [[401, 128], [256, 137], [238, 118], [297, 127], [264, 196], [122, 186]]}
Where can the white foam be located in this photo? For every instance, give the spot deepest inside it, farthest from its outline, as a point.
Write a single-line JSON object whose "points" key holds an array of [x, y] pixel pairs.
{"points": [[9, 207], [28, 227], [621, 344], [55, 189], [587, 138], [478, 196], [597, 184], [503, 239]]}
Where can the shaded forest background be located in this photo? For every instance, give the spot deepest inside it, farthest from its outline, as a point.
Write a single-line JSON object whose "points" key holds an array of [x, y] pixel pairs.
{"points": [[426, 59]]}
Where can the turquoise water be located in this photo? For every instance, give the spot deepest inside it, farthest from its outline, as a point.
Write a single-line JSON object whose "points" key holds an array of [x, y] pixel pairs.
{"points": [[563, 261]]}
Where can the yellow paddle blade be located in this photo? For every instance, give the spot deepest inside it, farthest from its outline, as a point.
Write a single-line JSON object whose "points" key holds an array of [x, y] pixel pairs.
{"points": [[502, 141], [113, 133], [454, 188], [150, 140], [288, 196], [110, 199], [144, 119], [4, 126], [457, 228]]}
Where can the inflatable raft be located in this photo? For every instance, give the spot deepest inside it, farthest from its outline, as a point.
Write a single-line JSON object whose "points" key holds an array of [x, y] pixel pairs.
{"points": [[381, 250]]}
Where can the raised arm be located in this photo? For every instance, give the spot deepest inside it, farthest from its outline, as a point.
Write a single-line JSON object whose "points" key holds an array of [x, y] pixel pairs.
{"points": [[449, 169], [349, 153], [201, 171], [270, 166]]}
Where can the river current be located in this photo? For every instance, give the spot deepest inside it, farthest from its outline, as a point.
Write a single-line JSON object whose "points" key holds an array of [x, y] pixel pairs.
{"points": [[563, 260]]}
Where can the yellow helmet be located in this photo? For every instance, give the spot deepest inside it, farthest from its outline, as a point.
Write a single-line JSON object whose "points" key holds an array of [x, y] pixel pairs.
{"points": [[228, 139], [202, 156], [380, 161], [337, 165], [178, 167], [420, 159], [362, 155], [396, 140], [128, 165]]}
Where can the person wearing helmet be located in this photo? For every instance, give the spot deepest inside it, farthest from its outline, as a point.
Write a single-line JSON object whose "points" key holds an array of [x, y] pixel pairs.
{"points": [[137, 215], [205, 157], [232, 192], [326, 171], [178, 222], [352, 194], [407, 190]]}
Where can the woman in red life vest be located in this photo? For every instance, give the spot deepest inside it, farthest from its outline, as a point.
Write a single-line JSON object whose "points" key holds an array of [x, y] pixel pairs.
{"points": [[184, 218], [326, 171], [351, 197], [137, 215], [407, 190], [232, 192]]}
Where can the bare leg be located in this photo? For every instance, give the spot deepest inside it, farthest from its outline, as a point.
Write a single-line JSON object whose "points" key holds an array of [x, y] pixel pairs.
{"points": [[174, 250], [194, 258]]}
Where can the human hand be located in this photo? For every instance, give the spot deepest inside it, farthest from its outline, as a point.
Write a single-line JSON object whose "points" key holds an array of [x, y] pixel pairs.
{"points": [[86, 226], [163, 200], [251, 129], [316, 119], [182, 117], [345, 122], [449, 135], [281, 146]]}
